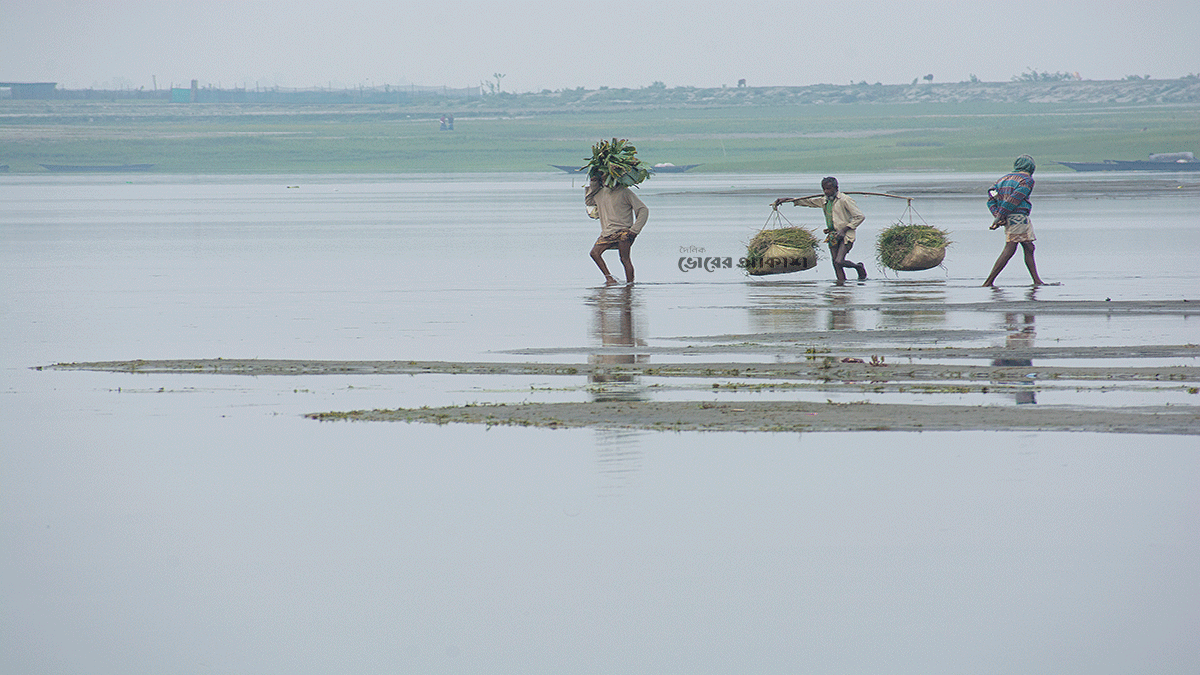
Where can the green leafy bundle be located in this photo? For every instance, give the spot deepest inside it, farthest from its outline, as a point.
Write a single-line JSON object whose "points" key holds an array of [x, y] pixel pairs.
{"points": [[615, 163]]}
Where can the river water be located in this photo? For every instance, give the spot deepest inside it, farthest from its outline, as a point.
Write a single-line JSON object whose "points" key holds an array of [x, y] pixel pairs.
{"points": [[197, 523]]}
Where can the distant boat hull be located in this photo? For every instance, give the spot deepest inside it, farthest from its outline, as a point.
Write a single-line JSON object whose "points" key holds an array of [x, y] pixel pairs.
{"points": [[1132, 165], [669, 168], [100, 168]]}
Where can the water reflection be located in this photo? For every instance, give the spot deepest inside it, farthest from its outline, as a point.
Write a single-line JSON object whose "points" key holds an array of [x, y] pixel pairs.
{"points": [[618, 327], [618, 459], [914, 303], [840, 298], [783, 309], [1020, 334], [796, 308]]}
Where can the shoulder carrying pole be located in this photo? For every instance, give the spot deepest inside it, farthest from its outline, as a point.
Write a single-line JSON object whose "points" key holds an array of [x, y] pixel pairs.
{"points": [[873, 194]]}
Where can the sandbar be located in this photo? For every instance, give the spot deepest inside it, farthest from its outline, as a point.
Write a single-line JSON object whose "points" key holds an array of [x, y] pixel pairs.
{"points": [[845, 367]]}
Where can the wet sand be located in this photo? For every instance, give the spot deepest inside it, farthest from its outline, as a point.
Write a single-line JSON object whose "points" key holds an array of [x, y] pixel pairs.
{"points": [[847, 366], [793, 416]]}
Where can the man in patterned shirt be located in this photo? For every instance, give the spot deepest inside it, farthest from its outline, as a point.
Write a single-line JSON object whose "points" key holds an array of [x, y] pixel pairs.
{"points": [[1008, 200]]}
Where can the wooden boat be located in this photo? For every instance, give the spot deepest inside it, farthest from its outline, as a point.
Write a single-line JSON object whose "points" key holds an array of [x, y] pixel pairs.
{"points": [[96, 168], [657, 168], [1163, 161], [671, 168]]}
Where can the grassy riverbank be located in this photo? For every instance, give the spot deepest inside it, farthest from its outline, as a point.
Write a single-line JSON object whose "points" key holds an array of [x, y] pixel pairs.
{"points": [[300, 139]]}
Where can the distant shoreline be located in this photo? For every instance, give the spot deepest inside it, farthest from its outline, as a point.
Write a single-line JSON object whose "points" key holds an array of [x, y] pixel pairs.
{"points": [[469, 99], [821, 129]]}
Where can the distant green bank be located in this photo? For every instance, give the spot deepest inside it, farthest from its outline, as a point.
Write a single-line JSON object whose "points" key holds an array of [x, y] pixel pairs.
{"points": [[810, 138]]}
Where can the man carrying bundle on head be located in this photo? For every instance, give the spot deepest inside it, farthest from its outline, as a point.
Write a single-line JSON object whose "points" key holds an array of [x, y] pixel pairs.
{"points": [[842, 217], [622, 215]]}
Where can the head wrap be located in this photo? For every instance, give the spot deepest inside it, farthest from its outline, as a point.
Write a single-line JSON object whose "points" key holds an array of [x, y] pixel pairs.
{"points": [[1024, 164]]}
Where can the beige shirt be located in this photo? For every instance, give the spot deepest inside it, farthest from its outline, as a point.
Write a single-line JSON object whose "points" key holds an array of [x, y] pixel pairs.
{"points": [[846, 214], [619, 208]]}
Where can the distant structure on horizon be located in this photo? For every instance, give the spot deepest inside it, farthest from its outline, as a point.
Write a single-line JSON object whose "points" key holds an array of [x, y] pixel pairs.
{"points": [[396, 94], [182, 95], [29, 90]]}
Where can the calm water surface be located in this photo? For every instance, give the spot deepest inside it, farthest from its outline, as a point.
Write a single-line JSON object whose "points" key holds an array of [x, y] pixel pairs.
{"points": [[157, 523]]}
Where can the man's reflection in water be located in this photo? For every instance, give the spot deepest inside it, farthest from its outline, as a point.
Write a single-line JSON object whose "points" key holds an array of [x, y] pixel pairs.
{"points": [[1021, 333], [617, 330], [840, 316]]}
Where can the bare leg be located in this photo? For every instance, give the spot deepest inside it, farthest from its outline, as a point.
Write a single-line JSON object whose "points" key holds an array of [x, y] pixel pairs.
{"points": [[1030, 264], [1009, 249], [623, 248], [840, 263], [597, 256], [836, 253], [857, 267]]}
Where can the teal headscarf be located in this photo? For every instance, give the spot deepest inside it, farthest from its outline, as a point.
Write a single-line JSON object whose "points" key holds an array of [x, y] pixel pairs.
{"points": [[1024, 164]]}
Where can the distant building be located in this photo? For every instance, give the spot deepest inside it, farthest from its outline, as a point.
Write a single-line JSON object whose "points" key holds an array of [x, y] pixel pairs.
{"points": [[30, 90]]}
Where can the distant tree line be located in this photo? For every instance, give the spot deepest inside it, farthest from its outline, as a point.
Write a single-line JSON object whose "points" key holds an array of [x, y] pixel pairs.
{"points": [[1032, 75], [1030, 85], [385, 94]]}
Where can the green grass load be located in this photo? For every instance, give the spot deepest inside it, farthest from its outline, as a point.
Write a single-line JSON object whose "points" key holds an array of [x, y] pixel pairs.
{"points": [[781, 249], [908, 247]]}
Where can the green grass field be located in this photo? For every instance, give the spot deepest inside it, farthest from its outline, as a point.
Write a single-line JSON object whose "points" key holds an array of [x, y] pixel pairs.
{"points": [[220, 139]]}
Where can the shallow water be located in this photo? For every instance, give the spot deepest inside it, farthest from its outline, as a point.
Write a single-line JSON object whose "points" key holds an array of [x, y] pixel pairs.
{"points": [[198, 523], [460, 266]]}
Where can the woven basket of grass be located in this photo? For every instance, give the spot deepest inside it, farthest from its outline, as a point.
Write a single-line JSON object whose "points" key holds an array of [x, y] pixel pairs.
{"points": [[909, 248], [779, 250]]}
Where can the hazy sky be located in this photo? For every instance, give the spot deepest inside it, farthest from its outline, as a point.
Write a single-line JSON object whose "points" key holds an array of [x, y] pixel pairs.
{"points": [[542, 44]]}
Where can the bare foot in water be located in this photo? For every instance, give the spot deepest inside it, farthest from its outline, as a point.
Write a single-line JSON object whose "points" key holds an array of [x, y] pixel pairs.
{"points": [[862, 271], [610, 280]]}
